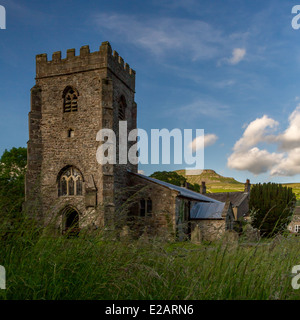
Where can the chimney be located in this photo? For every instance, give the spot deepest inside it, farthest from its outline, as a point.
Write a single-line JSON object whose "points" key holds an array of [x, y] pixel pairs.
{"points": [[203, 188], [185, 185], [247, 186]]}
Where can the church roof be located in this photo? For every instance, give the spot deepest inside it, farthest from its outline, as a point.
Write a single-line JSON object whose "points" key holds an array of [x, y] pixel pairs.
{"points": [[236, 198], [207, 210], [186, 193]]}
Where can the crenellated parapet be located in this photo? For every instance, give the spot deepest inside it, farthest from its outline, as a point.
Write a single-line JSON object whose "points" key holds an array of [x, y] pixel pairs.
{"points": [[85, 61]]}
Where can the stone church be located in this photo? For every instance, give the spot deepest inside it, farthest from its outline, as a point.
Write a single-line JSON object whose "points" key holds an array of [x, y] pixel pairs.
{"points": [[73, 98]]}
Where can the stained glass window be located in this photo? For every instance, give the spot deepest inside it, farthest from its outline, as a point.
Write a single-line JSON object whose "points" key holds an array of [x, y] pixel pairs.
{"points": [[71, 187], [70, 183]]}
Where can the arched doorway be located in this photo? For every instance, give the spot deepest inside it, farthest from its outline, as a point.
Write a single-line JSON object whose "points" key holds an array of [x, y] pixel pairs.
{"points": [[71, 222]]}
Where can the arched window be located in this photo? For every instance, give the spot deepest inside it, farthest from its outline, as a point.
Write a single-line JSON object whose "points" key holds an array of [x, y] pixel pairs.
{"points": [[70, 100], [122, 108], [70, 183]]}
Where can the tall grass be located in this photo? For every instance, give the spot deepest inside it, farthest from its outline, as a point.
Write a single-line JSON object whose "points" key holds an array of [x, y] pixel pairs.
{"points": [[88, 267]]}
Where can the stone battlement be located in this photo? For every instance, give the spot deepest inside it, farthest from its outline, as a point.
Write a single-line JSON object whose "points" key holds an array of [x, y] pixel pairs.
{"points": [[85, 61]]}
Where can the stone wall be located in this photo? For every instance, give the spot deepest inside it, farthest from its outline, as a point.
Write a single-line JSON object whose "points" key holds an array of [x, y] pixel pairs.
{"points": [[182, 218], [207, 230], [162, 221], [34, 153]]}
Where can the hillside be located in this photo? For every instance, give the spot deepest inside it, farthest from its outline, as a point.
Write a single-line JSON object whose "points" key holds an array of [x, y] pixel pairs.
{"points": [[214, 181], [217, 183], [296, 189]]}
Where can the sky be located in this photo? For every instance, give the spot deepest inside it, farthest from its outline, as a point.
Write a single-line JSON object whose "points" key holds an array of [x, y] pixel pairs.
{"points": [[229, 67]]}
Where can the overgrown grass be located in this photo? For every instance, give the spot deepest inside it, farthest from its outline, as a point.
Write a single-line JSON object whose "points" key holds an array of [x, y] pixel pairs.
{"points": [[41, 267]]}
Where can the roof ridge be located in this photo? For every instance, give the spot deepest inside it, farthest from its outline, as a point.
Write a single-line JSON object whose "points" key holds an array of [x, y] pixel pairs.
{"points": [[183, 192]]}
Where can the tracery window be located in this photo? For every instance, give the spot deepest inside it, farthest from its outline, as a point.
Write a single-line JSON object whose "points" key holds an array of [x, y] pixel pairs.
{"points": [[70, 100], [70, 183]]}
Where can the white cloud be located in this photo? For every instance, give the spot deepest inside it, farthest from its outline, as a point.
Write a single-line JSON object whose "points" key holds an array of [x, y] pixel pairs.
{"points": [[238, 55], [203, 107], [290, 139], [197, 143], [195, 39], [256, 132], [254, 160], [247, 156], [289, 166], [210, 139]]}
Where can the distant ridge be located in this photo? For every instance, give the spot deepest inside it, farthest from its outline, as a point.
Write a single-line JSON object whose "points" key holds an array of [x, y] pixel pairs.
{"points": [[214, 181]]}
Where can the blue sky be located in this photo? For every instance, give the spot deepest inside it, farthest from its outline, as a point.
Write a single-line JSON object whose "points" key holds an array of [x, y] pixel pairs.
{"points": [[228, 67]]}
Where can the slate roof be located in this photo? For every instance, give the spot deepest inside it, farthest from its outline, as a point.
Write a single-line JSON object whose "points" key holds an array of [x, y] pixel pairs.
{"points": [[182, 191], [236, 198], [207, 210]]}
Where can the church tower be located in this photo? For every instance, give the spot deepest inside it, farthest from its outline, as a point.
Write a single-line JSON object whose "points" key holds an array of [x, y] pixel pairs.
{"points": [[72, 100]]}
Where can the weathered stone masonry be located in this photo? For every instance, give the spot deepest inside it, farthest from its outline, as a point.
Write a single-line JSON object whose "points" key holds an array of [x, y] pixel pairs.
{"points": [[101, 79], [73, 99]]}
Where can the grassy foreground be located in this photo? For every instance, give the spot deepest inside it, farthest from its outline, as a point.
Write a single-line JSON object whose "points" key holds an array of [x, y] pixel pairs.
{"points": [[39, 267]]}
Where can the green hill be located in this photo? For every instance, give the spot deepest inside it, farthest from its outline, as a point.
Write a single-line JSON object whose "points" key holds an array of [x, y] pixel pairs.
{"points": [[214, 181], [296, 190], [217, 183]]}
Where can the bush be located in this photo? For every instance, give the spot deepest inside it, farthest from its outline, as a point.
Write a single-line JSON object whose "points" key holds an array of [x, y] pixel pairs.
{"points": [[174, 178], [271, 207], [12, 179]]}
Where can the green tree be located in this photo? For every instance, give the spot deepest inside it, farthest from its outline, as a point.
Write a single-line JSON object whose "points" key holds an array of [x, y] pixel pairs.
{"points": [[174, 178], [170, 177], [195, 187], [271, 206], [12, 180]]}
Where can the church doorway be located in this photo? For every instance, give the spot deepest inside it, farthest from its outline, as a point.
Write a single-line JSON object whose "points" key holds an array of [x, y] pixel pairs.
{"points": [[71, 222]]}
